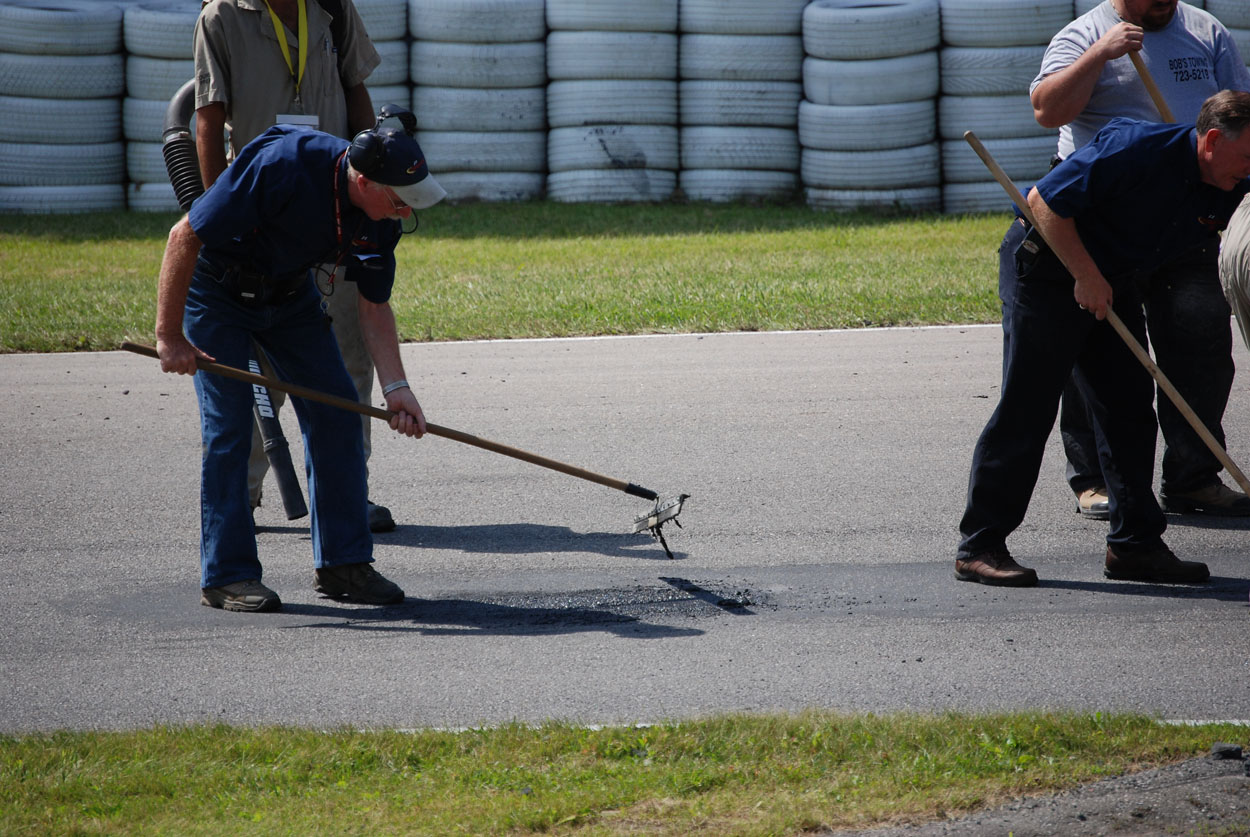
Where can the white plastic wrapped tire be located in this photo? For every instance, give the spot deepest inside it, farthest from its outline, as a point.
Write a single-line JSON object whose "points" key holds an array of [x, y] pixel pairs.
{"points": [[989, 117], [492, 186], [62, 200], [445, 64], [634, 16], [160, 30], [37, 164], [995, 24], [867, 127], [626, 55], [858, 29], [613, 147], [488, 109], [62, 76], [394, 66], [742, 17], [611, 186], [895, 168], [152, 197], [484, 150], [477, 21], [735, 147], [60, 27], [1241, 37], [611, 102], [1023, 158], [384, 20], [741, 57], [143, 120], [918, 199], [988, 71], [725, 185], [987, 196], [32, 119], [145, 163], [399, 94], [157, 78], [739, 102], [874, 81]]}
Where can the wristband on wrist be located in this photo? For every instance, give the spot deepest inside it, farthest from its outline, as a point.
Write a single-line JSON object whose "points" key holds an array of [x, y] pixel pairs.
{"points": [[394, 385]]}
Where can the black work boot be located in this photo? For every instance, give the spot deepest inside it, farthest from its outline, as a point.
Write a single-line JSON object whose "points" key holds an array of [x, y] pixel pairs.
{"points": [[1152, 563]]}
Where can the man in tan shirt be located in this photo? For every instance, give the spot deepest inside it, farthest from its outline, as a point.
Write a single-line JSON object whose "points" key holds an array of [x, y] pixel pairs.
{"points": [[246, 80]]}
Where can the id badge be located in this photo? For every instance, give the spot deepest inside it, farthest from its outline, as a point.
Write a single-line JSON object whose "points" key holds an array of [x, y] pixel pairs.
{"points": [[309, 120]]}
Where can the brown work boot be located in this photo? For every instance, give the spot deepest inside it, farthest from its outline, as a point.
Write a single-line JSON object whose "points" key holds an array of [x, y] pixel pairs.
{"points": [[1153, 563], [1216, 499], [357, 583], [1094, 503], [995, 567]]}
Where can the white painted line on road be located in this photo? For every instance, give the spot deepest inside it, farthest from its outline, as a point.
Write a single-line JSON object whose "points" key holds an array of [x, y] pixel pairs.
{"points": [[1199, 722]]}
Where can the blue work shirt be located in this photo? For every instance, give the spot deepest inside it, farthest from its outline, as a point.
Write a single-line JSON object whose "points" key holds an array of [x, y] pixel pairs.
{"points": [[281, 208], [1137, 196]]}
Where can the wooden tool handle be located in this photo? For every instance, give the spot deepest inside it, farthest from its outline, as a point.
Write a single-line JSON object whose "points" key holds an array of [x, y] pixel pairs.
{"points": [[1153, 89], [386, 415]]}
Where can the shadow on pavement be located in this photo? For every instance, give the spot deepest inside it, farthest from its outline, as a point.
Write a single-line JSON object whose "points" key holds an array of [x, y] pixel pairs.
{"points": [[525, 538]]}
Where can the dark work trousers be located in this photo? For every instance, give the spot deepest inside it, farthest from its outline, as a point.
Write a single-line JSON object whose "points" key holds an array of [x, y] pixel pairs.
{"points": [[1046, 339], [1188, 319]]}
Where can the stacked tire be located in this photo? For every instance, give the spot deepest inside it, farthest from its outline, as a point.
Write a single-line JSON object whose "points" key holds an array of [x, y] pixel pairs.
{"points": [[991, 52], [1235, 14], [867, 122], [158, 35], [612, 101], [386, 22], [478, 69], [62, 75], [741, 62]]}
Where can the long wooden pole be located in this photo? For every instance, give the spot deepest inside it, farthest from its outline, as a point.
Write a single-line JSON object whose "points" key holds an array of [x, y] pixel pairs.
{"points": [[1151, 87], [386, 415]]}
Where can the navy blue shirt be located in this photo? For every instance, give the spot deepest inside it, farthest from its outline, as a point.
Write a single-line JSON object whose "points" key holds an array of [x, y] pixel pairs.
{"points": [[273, 211], [1137, 197]]}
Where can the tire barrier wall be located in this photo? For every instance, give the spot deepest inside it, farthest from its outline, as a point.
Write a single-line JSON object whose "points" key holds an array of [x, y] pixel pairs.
{"points": [[850, 103]]}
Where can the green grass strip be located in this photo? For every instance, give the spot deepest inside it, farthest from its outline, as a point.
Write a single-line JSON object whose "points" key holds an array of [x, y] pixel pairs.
{"points": [[733, 775], [550, 270]]}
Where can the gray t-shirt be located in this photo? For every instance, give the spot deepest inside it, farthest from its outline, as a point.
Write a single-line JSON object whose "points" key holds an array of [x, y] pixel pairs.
{"points": [[1190, 59]]}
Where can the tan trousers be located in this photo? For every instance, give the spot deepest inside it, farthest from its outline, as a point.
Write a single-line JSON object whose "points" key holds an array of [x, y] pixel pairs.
{"points": [[341, 306], [1235, 267]]}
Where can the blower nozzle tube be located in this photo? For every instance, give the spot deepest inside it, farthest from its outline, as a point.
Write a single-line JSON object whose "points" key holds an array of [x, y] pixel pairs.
{"points": [[178, 148]]}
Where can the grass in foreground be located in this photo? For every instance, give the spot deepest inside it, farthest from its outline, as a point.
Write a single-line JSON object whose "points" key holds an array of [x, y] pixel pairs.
{"points": [[726, 776], [547, 269]]}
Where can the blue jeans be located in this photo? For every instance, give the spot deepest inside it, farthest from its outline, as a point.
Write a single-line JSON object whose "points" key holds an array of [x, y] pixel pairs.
{"points": [[301, 347], [1046, 339], [1188, 319]]}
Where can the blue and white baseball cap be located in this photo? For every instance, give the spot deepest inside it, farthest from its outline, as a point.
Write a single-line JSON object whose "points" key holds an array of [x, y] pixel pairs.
{"points": [[404, 169]]}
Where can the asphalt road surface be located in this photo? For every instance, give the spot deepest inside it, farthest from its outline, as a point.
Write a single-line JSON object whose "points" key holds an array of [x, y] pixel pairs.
{"points": [[827, 473]]}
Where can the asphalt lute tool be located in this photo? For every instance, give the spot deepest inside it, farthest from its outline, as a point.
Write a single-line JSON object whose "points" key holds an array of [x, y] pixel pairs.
{"points": [[652, 522]]}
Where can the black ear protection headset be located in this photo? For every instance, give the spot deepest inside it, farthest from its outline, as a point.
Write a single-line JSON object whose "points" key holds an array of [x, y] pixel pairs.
{"points": [[367, 153]]}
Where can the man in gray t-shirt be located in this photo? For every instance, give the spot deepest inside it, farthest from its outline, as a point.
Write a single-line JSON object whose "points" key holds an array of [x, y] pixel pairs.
{"points": [[1086, 79]]}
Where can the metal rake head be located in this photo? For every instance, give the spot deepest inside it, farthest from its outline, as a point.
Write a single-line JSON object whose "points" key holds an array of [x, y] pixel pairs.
{"points": [[654, 520]]}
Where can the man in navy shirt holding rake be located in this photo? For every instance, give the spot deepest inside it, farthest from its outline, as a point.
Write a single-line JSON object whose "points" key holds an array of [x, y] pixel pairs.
{"points": [[240, 266], [1136, 196]]}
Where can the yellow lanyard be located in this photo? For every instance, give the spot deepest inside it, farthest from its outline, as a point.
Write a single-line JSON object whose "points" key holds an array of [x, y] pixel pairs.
{"points": [[302, 42]]}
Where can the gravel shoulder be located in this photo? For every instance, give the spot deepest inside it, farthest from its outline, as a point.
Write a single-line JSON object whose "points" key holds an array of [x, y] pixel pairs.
{"points": [[1207, 796]]}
